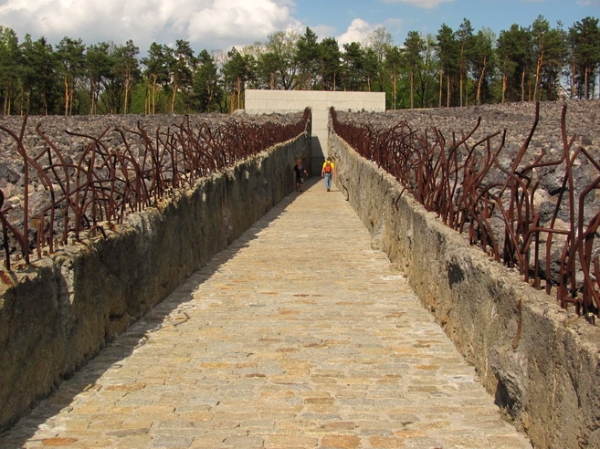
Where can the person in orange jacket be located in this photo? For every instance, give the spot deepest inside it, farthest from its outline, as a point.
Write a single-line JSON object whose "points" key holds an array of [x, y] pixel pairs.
{"points": [[327, 172]]}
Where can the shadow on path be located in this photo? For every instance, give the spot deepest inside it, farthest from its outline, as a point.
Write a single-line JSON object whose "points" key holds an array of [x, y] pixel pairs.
{"points": [[136, 335]]}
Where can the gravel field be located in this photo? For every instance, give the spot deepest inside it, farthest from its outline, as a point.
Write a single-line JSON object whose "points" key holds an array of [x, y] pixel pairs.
{"points": [[582, 121], [72, 137], [546, 181]]}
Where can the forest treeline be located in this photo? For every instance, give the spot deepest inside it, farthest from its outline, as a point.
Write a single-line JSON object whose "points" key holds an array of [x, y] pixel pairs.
{"points": [[452, 68]]}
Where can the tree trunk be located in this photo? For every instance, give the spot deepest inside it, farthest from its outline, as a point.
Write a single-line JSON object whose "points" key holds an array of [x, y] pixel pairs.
{"points": [[127, 80], [412, 89], [460, 88], [25, 101], [573, 78], [154, 93], [210, 92], [66, 82], [6, 105], [92, 96], [395, 89], [538, 71], [480, 81], [175, 89], [441, 85], [71, 97], [147, 97], [523, 85]]}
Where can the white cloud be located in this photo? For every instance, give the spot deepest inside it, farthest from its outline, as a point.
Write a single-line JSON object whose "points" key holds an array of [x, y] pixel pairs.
{"points": [[206, 24], [426, 4], [357, 31]]}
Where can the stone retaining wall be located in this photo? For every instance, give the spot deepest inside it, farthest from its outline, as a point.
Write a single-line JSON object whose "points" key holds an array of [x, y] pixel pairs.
{"points": [[57, 316], [540, 362]]}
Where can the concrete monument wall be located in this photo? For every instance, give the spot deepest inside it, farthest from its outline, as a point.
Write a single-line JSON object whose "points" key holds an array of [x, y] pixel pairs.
{"points": [[266, 101]]}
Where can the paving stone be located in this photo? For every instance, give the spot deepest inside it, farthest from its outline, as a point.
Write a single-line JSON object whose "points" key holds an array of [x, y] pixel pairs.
{"points": [[297, 336]]}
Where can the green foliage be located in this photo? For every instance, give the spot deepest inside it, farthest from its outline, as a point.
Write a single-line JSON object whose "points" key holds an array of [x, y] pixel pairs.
{"points": [[236, 72], [11, 69], [329, 63], [352, 72], [482, 61], [207, 91], [307, 57], [583, 39], [124, 74], [549, 49], [448, 51], [281, 47], [156, 77], [41, 84], [515, 58], [70, 57], [453, 68]]}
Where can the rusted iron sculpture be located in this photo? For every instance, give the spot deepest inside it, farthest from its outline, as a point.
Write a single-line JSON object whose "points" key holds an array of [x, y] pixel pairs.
{"points": [[459, 180], [107, 183]]}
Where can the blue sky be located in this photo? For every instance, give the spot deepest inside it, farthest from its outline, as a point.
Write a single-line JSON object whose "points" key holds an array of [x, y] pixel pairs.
{"points": [[427, 16], [222, 24]]}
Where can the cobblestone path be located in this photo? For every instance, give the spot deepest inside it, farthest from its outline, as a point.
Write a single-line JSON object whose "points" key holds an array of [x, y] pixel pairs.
{"points": [[297, 336]]}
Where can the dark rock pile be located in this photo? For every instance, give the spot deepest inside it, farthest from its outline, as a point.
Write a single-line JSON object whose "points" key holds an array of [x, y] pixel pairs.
{"points": [[517, 119], [515, 122], [582, 122], [70, 136]]}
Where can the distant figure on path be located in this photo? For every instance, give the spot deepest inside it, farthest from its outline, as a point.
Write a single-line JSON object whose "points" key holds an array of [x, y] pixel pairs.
{"points": [[301, 173], [327, 172]]}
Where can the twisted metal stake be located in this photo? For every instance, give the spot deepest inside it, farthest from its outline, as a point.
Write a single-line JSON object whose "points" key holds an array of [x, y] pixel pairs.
{"points": [[107, 183], [453, 180]]}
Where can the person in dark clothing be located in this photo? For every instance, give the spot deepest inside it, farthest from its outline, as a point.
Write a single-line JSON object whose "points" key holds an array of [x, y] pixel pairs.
{"points": [[301, 173]]}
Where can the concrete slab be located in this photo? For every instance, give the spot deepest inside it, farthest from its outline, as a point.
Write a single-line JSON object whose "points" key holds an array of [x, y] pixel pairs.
{"points": [[267, 101]]}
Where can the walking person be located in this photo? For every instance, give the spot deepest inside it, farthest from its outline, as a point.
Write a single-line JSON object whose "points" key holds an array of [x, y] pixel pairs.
{"points": [[327, 172], [301, 173]]}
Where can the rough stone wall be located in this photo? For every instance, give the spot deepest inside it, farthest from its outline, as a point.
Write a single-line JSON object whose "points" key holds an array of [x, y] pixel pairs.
{"points": [[60, 314], [540, 362]]}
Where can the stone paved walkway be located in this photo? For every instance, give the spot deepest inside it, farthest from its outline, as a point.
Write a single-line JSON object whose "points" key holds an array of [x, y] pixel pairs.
{"points": [[297, 336]]}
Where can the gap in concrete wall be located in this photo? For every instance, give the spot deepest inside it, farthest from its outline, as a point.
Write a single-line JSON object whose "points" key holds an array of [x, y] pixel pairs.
{"points": [[285, 101]]}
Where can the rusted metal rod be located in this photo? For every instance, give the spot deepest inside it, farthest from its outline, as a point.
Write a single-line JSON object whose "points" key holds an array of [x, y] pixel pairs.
{"points": [[460, 181], [107, 182]]}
